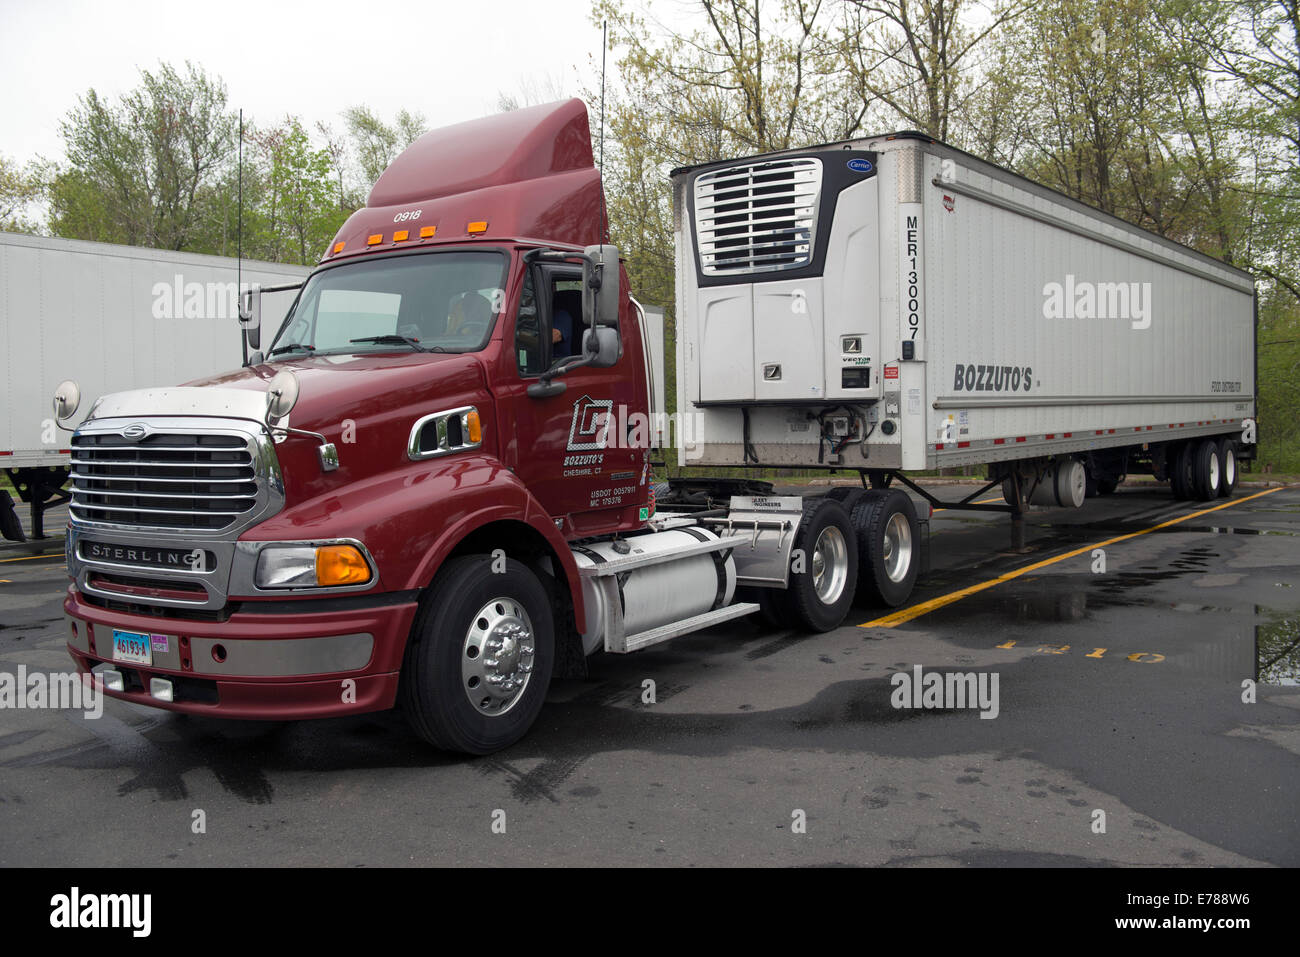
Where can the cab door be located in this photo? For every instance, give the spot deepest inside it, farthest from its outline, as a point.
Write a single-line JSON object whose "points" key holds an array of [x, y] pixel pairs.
{"points": [[581, 452]]}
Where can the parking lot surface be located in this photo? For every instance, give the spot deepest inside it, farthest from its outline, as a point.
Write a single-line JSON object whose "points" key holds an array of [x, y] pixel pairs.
{"points": [[1121, 683]]}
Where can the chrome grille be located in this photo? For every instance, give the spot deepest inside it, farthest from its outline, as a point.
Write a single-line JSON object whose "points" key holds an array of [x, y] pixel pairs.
{"points": [[200, 481], [757, 217]]}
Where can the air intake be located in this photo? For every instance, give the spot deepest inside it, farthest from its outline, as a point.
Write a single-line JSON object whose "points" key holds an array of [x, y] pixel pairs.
{"points": [[757, 217]]}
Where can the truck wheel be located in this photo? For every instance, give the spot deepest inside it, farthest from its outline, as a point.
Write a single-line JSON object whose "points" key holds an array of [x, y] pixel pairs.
{"points": [[1206, 472], [1227, 467], [480, 655], [1179, 471], [1107, 486], [821, 592], [888, 547]]}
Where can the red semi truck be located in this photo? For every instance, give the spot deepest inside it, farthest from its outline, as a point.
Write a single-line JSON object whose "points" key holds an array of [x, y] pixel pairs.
{"points": [[434, 487]]}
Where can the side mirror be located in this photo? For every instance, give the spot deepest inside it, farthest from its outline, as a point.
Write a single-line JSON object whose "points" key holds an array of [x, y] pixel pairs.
{"points": [[67, 398], [600, 286], [250, 315], [604, 345]]}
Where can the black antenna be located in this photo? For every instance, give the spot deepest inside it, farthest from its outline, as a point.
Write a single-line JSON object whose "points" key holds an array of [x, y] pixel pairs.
{"points": [[604, 223], [239, 242]]}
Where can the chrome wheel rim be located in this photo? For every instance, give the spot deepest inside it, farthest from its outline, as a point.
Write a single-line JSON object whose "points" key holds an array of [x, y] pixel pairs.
{"points": [[496, 659], [830, 565], [897, 547], [1229, 466], [1214, 470]]}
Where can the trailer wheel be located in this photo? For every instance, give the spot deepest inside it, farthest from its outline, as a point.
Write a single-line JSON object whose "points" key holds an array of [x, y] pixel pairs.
{"points": [[1228, 467], [821, 591], [1107, 486], [1179, 466], [889, 547], [1206, 472], [479, 658]]}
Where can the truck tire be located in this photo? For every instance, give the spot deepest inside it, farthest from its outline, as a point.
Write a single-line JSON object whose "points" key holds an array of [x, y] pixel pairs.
{"points": [[1227, 467], [821, 592], [1180, 471], [1207, 474], [479, 658], [846, 495], [889, 547], [1107, 486]]}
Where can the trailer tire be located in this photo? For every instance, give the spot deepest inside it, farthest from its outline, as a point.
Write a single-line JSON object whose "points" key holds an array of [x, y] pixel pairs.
{"points": [[1207, 475], [1180, 472], [889, 547], [1227, 467], [1107, 486], [821, 592], [446, 688]]}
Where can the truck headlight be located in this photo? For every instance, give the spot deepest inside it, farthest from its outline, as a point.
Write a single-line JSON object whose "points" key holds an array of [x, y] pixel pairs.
{"points": [[308, 566]]}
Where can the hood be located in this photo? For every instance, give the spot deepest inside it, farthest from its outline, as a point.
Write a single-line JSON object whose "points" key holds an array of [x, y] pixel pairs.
{"points": [[337, 387]]}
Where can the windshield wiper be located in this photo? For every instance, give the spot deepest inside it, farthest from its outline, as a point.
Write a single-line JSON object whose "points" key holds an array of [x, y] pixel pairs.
{"points": [[290, 347], [413, 343]]}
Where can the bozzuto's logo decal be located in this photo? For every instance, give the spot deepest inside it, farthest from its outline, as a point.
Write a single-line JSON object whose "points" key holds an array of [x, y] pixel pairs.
{"points": [[588, 431], [981, 378]]}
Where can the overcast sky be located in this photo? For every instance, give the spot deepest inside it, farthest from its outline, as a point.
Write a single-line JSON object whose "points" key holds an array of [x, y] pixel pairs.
{"points": [[447, 59]]}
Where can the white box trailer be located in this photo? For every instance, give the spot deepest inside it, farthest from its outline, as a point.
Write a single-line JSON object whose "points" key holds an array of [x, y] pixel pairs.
{"points": [[110, 318], [894, 304]]}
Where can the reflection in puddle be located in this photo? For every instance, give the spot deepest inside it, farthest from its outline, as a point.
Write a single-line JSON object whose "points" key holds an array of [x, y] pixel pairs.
{"points": [[1277, 650]]}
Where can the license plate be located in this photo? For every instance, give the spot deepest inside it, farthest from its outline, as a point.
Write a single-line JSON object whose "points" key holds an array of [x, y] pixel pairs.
{"points": [[129, 646]]}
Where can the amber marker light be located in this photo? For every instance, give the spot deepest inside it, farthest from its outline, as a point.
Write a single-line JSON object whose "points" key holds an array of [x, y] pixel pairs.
{"points": [[338, 248], [473, 426], [427, 232], [400, 235], [341, 565], [375, 240], [476, 227]]}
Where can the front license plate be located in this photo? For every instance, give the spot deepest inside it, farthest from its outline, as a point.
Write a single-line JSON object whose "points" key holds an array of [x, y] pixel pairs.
{"points": [[129, 646]]}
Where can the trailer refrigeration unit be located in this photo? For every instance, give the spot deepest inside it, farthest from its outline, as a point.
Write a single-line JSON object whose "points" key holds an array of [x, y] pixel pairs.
{"points": [[435, 486], [112, 318]]}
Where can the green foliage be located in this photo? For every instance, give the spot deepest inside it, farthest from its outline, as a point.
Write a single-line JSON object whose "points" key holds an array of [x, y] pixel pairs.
{"points": [[19, 188]]}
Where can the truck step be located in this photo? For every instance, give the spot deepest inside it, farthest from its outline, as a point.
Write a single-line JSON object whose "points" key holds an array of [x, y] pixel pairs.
{"points": [[674, 628]]}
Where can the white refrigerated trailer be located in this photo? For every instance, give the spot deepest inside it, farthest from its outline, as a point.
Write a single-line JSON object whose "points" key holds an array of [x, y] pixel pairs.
{"points": [[894, 304], [109, 318]]}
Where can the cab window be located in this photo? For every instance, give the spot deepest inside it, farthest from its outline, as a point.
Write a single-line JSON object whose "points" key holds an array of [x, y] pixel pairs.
{"points": [[548, 327]]}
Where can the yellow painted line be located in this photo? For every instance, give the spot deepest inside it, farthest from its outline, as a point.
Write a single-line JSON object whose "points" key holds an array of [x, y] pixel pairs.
{"points": [[31, 558], [987, 501], [925, 607]]}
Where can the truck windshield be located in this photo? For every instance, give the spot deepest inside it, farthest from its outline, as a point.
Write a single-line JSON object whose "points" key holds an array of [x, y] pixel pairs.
{"points": [[440, 302]]}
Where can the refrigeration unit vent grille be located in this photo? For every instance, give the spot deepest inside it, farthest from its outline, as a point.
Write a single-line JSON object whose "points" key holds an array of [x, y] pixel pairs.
{"points": [[757, 217]]}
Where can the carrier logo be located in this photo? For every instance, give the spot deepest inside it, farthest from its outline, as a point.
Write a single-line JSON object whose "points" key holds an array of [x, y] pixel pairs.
{"points": [[981, 378], [591, 422], [859, 165]]}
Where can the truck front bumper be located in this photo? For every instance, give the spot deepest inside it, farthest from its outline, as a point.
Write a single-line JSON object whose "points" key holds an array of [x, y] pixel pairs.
{"points": [[260, 665]]}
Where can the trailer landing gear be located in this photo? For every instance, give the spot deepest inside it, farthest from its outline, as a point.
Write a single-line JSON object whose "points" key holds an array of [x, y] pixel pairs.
{"points": [[41, 489]]}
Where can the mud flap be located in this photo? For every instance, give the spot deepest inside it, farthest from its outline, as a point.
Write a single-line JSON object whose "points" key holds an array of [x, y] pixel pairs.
{"points": [[923, 538]]}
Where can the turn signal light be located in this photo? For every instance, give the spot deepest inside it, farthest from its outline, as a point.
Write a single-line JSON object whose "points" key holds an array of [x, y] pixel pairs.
{"points": [[473, 426], [341, 565]]}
